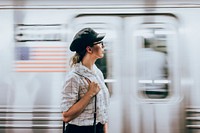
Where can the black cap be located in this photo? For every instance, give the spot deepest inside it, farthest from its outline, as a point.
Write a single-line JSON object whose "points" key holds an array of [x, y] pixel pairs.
{"points": [[85, 37]]}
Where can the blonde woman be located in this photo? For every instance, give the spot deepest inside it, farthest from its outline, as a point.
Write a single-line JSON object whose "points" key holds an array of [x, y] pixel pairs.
{"points": [[85, 97]]}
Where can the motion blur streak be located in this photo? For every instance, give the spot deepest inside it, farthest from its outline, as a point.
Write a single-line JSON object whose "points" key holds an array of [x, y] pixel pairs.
{"points": [[150, 65]]}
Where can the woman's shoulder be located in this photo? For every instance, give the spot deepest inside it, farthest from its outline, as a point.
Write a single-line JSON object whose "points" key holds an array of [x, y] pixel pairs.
{"points": [[99, 72], [71, 75]]}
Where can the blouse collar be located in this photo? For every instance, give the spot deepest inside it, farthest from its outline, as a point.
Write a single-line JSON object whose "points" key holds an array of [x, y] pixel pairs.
{"points": [[84, 71]]}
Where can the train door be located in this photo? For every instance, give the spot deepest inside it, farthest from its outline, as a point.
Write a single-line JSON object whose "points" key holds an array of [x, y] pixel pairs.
{"points": [[153, 77], [109, 65], [144, 86]]}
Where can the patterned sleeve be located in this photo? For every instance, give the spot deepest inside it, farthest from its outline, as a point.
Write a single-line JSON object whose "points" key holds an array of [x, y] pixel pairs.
{"points": [[70, 92]]}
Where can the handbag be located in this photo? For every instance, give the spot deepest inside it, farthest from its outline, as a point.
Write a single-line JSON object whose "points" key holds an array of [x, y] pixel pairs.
{"points": [[95, 111]]}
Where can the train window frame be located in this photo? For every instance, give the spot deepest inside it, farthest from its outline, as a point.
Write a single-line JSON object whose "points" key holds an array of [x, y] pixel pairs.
{"points": [[153, 88], [170, 28]]}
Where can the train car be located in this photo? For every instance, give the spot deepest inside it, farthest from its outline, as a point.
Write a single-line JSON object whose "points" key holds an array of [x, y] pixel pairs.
{"points": [[150, 66]]}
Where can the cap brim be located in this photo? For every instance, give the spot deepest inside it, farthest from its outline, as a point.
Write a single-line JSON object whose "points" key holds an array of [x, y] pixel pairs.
{"points": [[100, 36]]}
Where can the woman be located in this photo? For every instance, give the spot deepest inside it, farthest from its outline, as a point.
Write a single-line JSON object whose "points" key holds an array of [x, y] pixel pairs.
{"points": [[85, 83]]}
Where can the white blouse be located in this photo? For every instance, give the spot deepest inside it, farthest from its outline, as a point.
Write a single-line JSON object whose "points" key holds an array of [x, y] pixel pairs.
{"points": [[76, 86]]}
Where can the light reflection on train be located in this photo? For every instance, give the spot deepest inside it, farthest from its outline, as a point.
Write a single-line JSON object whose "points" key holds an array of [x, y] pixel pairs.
{"points": [[150, 67]]}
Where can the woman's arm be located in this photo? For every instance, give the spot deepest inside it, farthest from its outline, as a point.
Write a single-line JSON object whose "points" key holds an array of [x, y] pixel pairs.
{"points": [[76, 109]]}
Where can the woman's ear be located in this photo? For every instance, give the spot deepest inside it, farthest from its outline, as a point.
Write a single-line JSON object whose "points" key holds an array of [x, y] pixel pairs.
{"points": [[89, 49]]}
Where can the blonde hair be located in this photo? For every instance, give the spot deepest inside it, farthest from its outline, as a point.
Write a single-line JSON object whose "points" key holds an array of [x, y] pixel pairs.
{"points": [[77, 58]]}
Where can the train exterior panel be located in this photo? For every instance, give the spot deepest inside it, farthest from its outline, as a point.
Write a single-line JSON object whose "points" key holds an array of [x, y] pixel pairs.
{"points": [[150, 66]]}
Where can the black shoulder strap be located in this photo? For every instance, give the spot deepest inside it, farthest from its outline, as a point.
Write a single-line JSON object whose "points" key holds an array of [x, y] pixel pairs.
{"points": [[95, 113], [63, 127]]}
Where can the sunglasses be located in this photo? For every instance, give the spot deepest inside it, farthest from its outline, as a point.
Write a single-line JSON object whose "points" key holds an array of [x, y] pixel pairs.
{"points": [[100, 42]]}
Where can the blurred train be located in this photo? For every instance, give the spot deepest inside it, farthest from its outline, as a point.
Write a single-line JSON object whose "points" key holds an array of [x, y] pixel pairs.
{"points": [[150, 66]]}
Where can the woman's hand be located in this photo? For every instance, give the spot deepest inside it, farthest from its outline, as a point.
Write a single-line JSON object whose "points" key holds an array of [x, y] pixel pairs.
{"points": [[93, 88]]}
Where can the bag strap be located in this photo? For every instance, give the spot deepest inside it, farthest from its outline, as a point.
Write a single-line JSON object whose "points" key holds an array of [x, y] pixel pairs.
{"points": [[95, 107], [95, 113], [63, 127]]}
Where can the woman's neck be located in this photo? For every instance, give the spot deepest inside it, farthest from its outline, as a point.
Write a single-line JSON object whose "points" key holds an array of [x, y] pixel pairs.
{"points": [[88, 62]]}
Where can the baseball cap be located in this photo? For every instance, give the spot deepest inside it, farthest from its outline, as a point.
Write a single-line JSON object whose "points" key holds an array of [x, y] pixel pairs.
{"points": [[85, 37]]}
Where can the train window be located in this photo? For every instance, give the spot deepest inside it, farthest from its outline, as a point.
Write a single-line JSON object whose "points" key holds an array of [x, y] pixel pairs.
{"points": [[155, 59], [40, 33]]}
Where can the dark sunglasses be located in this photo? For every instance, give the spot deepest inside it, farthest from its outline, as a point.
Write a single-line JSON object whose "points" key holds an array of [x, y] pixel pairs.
{"points": [[100, 42]]}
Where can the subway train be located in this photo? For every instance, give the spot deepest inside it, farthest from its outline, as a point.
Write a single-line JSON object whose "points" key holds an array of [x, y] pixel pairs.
{"points": [[150, 65]]}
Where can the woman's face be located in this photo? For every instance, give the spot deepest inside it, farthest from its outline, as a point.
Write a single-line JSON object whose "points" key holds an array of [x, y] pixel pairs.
{"points": [[98, 49]]}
